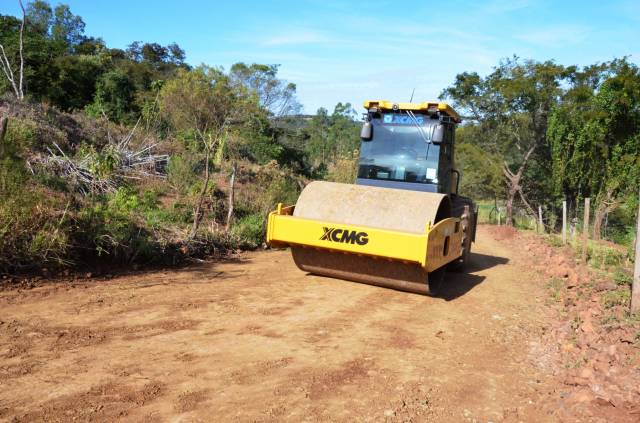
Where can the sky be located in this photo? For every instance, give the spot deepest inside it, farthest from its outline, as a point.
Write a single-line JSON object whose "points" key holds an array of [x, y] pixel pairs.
{"points": [[351, 51]]}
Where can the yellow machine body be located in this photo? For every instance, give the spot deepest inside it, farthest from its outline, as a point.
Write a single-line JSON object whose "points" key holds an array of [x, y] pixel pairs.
{"points": [[434, 248], [426, 107]]}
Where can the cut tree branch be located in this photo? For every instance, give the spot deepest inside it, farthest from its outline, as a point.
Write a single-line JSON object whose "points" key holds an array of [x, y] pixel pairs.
{"points": [[526, 203], [8, 72], [24, 18]]}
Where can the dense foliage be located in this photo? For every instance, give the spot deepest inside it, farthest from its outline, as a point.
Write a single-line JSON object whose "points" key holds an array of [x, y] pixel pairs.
{"points": [[538, 133], [234, 142]]}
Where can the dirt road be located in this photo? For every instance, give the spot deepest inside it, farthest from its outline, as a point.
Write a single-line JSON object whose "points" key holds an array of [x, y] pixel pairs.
{"points": [[257, 340]]}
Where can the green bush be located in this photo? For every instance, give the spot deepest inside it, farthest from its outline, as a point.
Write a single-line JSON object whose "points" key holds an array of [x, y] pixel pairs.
{"points": [[622, 278], [249, 231], [112, 226], [262, 149], [269, 186], [34, 224], [181, 172], [21, 134], [487, 212], [344, 169], [34, 231], [554, 240], [101, 162]]}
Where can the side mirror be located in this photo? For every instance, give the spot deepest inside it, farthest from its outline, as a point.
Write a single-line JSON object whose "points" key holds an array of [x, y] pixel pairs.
{"points": [[366, 133], [438, 134]]}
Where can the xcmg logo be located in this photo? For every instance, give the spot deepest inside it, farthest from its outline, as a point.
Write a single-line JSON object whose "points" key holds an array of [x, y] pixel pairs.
{"points": [[344, 235]]}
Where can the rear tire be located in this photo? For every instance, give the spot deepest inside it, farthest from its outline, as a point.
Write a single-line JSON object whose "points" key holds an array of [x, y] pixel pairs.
{"points": [[467, 225]]}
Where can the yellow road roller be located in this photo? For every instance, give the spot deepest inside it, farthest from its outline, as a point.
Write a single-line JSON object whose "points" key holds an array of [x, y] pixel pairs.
{"points": [[402, 224]]}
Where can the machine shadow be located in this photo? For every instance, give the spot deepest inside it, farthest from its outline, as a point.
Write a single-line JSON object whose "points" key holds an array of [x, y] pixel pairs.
{"points": [[480, 262], [458, 284]]}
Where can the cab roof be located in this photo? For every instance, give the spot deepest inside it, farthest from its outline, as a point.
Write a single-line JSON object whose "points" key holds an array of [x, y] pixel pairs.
{"points": [[427, 106]]}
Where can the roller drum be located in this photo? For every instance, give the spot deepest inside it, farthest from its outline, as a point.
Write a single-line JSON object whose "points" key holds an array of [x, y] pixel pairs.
{"points": [[384, 208]]}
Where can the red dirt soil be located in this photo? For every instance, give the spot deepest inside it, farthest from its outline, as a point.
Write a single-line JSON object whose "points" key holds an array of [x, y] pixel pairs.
{"points": [[255, 339]]}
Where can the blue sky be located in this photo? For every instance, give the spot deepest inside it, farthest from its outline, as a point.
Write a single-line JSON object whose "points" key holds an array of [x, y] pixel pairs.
{"points": [[355, 50]]}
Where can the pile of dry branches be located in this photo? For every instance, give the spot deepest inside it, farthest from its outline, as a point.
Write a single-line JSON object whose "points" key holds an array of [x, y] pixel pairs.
{"points": [[80, 172]]}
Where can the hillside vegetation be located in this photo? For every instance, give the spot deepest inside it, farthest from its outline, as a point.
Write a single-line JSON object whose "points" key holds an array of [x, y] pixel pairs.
{"points": [[132, 156]]}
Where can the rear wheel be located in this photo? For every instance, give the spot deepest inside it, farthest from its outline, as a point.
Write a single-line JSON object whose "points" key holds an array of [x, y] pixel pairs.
{"points": [[467, 226]]}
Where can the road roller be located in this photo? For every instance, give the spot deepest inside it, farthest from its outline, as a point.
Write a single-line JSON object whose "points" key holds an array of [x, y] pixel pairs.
{"points": [[402, 224]]}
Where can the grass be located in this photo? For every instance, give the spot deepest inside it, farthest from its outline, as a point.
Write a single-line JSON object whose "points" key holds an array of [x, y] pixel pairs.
{"points": [[250, 231], [487, 213], [576, 364], [556, 285], [576, 323], [617, 297]]}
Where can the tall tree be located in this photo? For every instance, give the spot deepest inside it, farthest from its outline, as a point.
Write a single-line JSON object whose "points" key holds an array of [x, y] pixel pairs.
{"points": [[274, 94], [511, 106], [67, 28], [114, 96], [595, 137], [39, 16], [203, 102]]}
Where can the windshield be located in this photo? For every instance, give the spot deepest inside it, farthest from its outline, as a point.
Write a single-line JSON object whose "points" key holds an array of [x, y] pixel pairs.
{"points": [[399, 150]]}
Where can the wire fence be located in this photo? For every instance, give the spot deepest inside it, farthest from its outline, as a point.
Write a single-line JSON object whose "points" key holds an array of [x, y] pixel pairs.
{"points": [[549, 221], [546, 220], [572, 226]]}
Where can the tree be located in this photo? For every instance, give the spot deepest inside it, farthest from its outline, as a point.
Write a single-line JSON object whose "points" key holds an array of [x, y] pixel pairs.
{"points": [[90, 46], [481, 173], [201, 101], [154, 53], [73, 84], [39, 17], [331, 138], [511, 106], [316, 145], [6, 64], [343, 135], [114, 96], [273, 94], [595, 137], [177, 55], [67, 28]]}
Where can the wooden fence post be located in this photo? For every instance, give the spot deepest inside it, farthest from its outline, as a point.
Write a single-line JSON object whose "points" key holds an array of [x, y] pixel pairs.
{"points": [[585, 229], [540, 219], [635, 287], [3, 130], [564, 222]]}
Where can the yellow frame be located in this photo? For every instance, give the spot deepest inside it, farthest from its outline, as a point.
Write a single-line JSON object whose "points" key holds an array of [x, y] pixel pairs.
{"points": [[437, 246], [419, 107]]}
